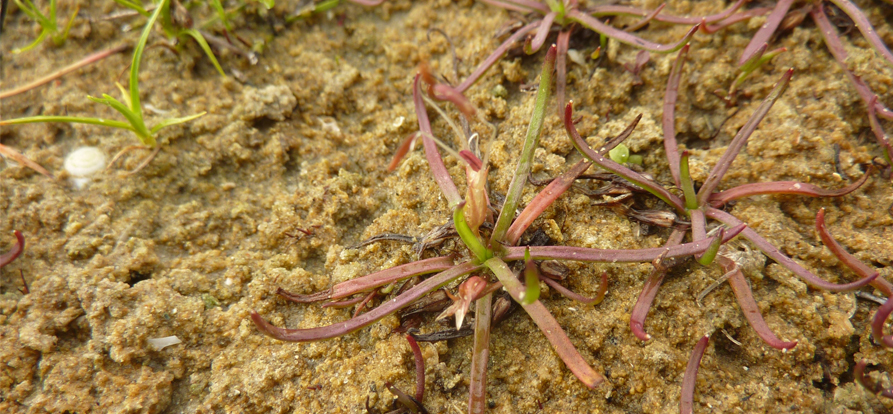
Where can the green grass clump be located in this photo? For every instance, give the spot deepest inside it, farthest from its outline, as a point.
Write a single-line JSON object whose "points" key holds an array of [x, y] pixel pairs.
{"points": [[130, 108], [47, 22]]}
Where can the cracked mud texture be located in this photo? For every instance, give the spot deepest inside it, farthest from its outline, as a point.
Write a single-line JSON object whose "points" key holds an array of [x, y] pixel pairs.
{"points": [[209, 229]]}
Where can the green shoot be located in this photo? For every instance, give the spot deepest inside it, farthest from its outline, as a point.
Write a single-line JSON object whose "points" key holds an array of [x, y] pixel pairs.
{"points": [[531, 280], [602, 46], [620, 154], [47, 22], [133, 5], [467, 235], [200, 39], [558, 8], [534, 130], [759, 58], [130, 108], [707, 257], [311, 9], [688, 188], [221, 14], [170, 25]]}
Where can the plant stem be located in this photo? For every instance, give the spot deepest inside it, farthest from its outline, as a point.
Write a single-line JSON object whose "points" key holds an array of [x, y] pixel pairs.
{"points": [[140, 125], [749, 306], [725, 162], [686, 402], [543, 200], [477, 388], [15, 251], [69, 119], [668, 119], [64, 71], [688, 189], [342, 328], [782, 187], [467, 235], [583, 254], [770, 250], [435, 162], [623, 37], [534, 130], [547, 324], [762, 36], [628, 174]]}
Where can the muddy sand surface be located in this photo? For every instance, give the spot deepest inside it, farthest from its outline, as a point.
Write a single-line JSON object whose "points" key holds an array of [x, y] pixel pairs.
{"points": [[202, 236]]}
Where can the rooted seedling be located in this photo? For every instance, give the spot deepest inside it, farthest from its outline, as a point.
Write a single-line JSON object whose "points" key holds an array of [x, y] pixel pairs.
{"points": [[489, 257], [130, 109], [47, 22]]}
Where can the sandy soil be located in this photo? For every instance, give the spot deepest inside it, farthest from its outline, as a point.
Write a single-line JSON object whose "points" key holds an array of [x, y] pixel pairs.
{"points": [[205, 234]]}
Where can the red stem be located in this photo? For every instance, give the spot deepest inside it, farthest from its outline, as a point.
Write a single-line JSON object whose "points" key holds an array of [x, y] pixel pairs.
{"points": [[419, 368], [477, 387], [662, 17], [435, 161], [342, 328], [496, 55], [523, 6], [829, 34], [668, 118], [766, 31], [597, 158], [623, 37], [584, 254], [649, 291], [543, 200], [686, 402], [368, 3], [540, 38], [725, 161], [735, 18], [15, 251], [869, 384], [373, 280], [749, 305], [770, 250], [864, 26], [877, 324], [548, 325], [849, 260], [64, 71], [383, 277], [781, 187], [562, 43], [602, 288]]}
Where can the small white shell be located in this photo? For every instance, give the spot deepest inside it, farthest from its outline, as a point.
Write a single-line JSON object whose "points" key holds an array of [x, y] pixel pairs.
{"points": [[84, 162], [161, 343]]}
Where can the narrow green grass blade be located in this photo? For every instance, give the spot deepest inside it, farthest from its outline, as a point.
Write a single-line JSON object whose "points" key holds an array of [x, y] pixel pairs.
{"points": [[62, 37], [137, 57], [174, 121], [688, 188], [221, 14], [207, 48], [136, 122], [69, 119], [134, 6], [534, 130], [43, 35]]}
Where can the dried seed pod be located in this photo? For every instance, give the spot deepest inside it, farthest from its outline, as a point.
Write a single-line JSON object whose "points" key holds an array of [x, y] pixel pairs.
{"points": [[502, 308], [554, 269], [660, 218]]}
